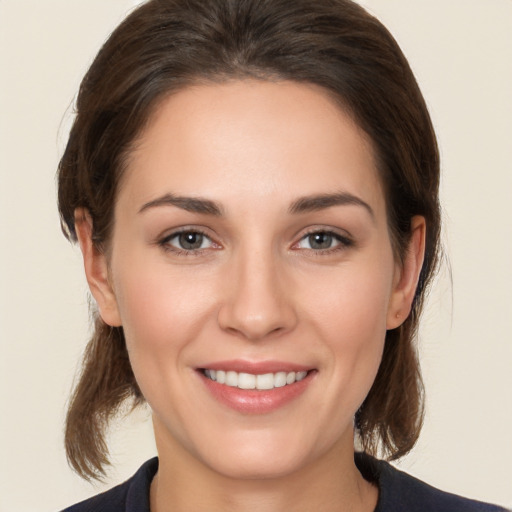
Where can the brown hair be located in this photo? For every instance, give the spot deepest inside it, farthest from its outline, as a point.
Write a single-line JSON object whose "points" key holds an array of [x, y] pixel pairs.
{"points": [[165, 45]]}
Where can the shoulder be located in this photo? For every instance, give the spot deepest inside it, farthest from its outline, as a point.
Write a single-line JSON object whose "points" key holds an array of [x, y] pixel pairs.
{"points": [[130, 496], [400, 492]]}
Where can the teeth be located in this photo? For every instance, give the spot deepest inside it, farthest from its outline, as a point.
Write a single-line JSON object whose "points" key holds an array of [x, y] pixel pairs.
{"points": [[231, 379], [265, 381], [246, 381], [280, 379], [250, 381]]}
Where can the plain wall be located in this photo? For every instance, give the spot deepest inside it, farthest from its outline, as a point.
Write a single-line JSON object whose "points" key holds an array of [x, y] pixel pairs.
{"points": [[461, 52]]}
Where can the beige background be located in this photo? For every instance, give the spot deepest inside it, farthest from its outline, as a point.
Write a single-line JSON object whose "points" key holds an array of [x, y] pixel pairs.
{"points": [[461, 51]]}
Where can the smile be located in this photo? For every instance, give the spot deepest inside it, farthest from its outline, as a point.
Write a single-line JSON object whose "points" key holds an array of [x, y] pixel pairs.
{"points": [[256, 387], [261, 382]]}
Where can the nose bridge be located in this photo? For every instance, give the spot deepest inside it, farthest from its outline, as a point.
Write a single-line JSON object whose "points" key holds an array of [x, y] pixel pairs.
{"points": [[257, 303]]}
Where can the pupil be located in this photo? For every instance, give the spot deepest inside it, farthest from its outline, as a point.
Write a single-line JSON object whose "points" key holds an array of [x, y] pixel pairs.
{"points": [[191, 241], [320, 240]]}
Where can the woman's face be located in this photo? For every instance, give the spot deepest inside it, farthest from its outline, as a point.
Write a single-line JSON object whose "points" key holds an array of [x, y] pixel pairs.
{"points": [[250, 249]]}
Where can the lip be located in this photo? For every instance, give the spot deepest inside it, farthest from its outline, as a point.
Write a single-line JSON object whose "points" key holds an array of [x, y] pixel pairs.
{"points": [[256, 401], [255, 367]]}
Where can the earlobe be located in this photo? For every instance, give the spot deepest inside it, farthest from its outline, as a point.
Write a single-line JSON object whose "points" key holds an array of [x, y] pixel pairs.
{"points": [[407, 275], [96, 270]]}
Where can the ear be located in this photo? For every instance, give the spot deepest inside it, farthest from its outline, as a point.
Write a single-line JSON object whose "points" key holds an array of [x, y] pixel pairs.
{"points": [[96, 270], [407, 274]]}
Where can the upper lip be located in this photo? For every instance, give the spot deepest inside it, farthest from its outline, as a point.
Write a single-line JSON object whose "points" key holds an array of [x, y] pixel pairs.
{"points": [[255, 367]]}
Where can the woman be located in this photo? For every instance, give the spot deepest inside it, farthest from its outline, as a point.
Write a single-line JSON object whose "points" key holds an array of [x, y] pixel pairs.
{"points": [[254, 187]]}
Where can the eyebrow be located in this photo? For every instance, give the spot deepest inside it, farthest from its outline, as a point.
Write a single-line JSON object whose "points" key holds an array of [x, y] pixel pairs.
{"points": [[190, 204], [302, 205], [323, 201]]}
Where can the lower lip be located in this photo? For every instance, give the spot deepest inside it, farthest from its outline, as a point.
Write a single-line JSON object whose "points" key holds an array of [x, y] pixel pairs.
{"points": [[254, 401]]}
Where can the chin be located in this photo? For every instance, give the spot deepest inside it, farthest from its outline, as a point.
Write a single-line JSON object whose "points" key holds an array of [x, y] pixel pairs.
{"points": [[257, 464], [271, 453]]}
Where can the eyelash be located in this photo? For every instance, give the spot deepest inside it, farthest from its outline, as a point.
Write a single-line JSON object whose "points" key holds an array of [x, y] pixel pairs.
{"points": [[164, 242], [344, 242]]}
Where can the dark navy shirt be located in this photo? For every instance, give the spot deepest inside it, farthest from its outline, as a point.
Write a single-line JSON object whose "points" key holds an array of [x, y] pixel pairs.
{"points": [[398, 492]]}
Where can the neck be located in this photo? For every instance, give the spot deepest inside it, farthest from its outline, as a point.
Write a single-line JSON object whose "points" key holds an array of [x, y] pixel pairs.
{"points": [[331, 483]]}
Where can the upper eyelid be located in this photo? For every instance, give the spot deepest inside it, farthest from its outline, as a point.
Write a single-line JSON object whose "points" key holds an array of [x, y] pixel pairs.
{"points": [[337, 232], [169, 234]]}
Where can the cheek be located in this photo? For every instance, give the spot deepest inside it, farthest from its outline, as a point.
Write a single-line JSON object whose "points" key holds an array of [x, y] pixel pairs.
{"points": [[353, 303], [357, 332], [350, 316], [162, 316], [160, 309]]}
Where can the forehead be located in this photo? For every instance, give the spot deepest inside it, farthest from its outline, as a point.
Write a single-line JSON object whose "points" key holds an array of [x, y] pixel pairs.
{"points": [[252, 138]]}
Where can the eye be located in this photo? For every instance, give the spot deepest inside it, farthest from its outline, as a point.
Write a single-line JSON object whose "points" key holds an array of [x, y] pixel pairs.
{"points": [[187, 241], [323, 241]]}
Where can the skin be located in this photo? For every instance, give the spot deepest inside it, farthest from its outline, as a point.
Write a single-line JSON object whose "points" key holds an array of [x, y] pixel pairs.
{"points": [[258, 289]]}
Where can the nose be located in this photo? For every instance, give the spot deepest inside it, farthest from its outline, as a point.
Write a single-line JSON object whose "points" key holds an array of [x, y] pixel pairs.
{"points": [[258, 299]]}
